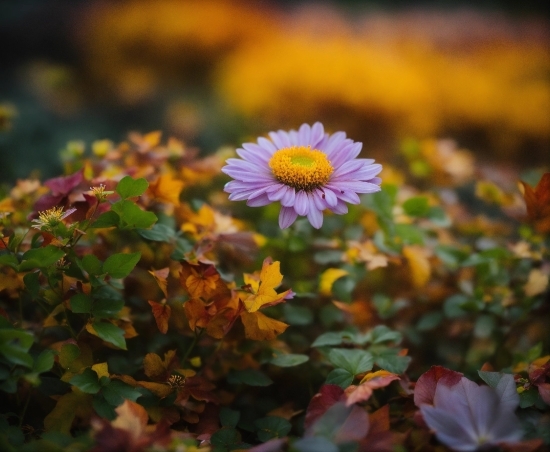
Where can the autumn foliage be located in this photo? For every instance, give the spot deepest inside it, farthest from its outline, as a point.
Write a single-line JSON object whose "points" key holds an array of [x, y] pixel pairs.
{"points": [[140, 310]]}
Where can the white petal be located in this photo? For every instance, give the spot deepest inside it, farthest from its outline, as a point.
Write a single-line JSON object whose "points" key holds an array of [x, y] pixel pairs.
{"points": [[289, 198], [267, 145], [317, 134], [287, 216], [301, 204], [315, 217], [259, 201], [304, 135]]}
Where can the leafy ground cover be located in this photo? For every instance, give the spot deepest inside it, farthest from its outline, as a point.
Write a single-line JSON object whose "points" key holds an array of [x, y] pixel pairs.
{"points": [[143, 310]]}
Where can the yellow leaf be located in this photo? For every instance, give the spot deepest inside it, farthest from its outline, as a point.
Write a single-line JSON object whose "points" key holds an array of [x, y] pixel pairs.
{"points": [[328, 277], [159, 389], [101, 370], [259, 327], [167, 189], [377, 374], [69, 406], [536, 283], [270, 278], [418, 264], [195, 361], [152, 138], [154, 367]]}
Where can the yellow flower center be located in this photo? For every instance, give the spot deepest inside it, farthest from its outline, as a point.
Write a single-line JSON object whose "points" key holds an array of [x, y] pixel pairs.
{"points": [[301, 167], [52, 216]]}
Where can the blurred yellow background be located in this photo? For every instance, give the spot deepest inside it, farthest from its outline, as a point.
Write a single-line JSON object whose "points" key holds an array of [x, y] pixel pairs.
{"points": [[215, 72]]}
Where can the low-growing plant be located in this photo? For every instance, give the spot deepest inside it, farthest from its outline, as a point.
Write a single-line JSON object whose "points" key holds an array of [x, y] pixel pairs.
{"points": [[143, 310]]}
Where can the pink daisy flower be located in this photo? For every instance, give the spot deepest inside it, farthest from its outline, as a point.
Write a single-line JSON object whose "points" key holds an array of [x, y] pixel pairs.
{"points": [[307, 171]]}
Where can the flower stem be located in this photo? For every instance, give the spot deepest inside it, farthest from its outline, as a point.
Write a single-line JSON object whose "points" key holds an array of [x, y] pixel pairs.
{"points": [[22, 415], [192, 346]]}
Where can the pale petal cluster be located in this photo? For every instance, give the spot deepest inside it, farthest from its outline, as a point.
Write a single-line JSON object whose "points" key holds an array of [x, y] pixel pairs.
{"points": [[255, 181], [466, 417]]}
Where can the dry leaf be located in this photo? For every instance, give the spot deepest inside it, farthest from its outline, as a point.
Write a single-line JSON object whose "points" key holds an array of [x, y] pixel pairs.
{"points": [[264, 291], [259, 327], [161, 312], [418, 264]]}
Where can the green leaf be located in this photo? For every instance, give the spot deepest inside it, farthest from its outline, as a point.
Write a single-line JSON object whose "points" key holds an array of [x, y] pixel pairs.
{"points": [[340, 377], [289, 360], [352, 360], [315, 444], [40, 258], [229, 418], [297, 315], [225, 438], [250, 377], [87, 381], [330, 338], [271, 427], [120, 265], [417, 206], [107, 219], [107, 307], [158, 233], [452, 307], [392, 362], [44, 361], [382, 333], [131, 216], [9, 260], [91, 265], [15, 345], [429, 321], [81, 303], [32, 283], [117, 391], [409, 234], [110, 333], [103, 408], [528, 398], [128, 187]]}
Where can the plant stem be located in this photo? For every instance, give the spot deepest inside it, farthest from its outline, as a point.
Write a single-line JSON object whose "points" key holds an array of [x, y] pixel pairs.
{"points": [[22, 415], [192, 346]]}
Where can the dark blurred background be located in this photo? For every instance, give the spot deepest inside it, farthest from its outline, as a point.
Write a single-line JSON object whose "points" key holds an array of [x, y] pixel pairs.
{"points": [[216, 72]]}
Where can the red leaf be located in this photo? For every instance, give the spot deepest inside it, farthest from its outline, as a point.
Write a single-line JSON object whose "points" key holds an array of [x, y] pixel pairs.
{"points": [[63, 185], [354, 428], [424, 390], [273, 445], [321, 402], [544, 391], [538, 203], [379, 438], [209, 422]]}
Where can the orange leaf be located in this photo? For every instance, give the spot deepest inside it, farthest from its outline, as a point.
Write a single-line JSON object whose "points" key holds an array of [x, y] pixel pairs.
{"points": [[196, 313], [202, 280], [538, 203], [159, 369], [370, 382], [259, 327], [270, 278], [132, 417], [161, 312], [167, 189], [160, 277]]}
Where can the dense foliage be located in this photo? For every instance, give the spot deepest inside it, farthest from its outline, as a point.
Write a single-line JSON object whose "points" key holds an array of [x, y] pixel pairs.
{"points": [[142, 310]]}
